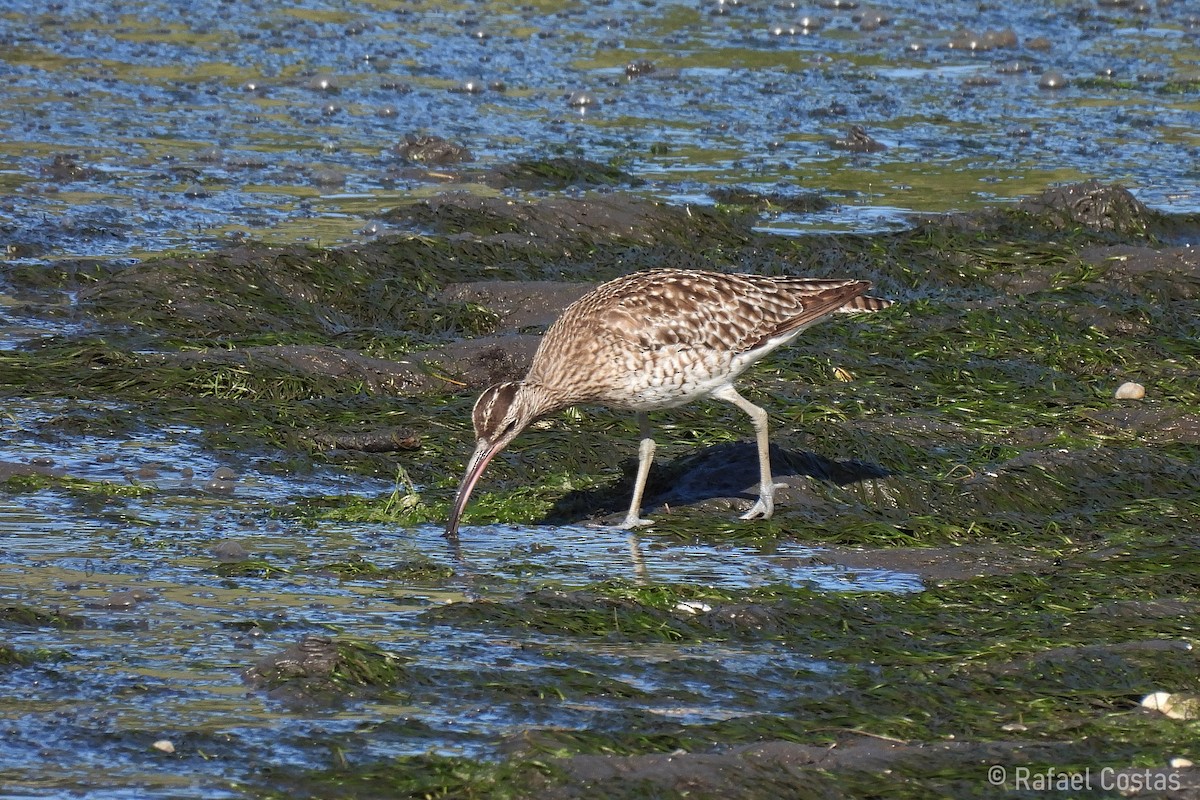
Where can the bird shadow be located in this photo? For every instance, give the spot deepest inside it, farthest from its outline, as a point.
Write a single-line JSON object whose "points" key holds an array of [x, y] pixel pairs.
{"points": [[726, 470]]}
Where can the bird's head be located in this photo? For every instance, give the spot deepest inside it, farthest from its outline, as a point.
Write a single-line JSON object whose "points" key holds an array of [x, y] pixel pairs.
{"points": [[500, 413]]}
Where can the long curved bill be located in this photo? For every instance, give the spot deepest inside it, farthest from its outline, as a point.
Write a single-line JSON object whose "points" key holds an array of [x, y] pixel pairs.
{"points": [[475, 466]]}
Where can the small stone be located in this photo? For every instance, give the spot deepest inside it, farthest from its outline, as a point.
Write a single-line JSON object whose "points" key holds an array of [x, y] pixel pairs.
{"points": [[859, 141], [164, 745], [1175, 706], [1156, 701], [328, 177], [1053, 80], [1180, 763], [324, 83], [431, 150], [579, 99], [123, 599], [229, 552], [1014, 727], [641, 67], [1130, 390]]}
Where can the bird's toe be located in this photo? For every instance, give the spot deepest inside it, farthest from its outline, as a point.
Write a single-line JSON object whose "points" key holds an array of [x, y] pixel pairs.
{"points": [[759, 511]]}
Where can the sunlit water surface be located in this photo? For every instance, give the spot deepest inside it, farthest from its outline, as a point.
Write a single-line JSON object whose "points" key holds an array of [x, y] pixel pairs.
{"points": [[186, 125]]}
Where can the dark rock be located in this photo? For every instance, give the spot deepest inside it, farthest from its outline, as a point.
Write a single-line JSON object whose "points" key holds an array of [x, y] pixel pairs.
{"points": [[1091, 205], [857, 140], [432, 150]]}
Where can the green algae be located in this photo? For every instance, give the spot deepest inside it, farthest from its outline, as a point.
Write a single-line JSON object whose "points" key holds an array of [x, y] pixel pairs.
{"points": [[770, 203], [13, 657], [428, 777], [258, 568], [1022, 613], [327, 669], [985, 367], [22, 616], [1061, 657], [416, 570], [16, 616], [559, 173], [76, 487]]}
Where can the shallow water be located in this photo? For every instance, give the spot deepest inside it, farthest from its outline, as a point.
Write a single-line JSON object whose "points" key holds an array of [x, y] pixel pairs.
{"points": [[166, 639], [186, 126]]}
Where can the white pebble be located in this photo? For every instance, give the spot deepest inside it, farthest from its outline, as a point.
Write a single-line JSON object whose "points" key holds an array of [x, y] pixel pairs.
{"points": [[164, 745], [1130, 391], [1180, 763], [1156, 701]]}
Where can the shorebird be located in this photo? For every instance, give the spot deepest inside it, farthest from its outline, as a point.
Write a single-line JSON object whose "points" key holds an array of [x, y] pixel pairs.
{"points": [[655, 340]]}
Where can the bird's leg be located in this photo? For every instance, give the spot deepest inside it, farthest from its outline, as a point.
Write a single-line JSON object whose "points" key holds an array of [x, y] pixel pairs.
{"points": [[766, 484], [645, 459]]}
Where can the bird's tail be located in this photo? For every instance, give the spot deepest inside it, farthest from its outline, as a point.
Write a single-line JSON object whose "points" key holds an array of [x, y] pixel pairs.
{"points": [[863, 303]]}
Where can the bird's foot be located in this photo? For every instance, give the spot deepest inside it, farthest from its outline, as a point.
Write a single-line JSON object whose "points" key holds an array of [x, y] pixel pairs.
{"points": [[759, 510], [765, 506]]}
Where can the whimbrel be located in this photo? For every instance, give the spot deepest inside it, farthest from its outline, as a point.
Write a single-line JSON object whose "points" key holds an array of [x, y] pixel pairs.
{"points": [[655, 340]]}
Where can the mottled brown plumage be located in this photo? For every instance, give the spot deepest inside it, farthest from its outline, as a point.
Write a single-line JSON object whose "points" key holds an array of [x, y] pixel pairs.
{"points": [[656, 340]]}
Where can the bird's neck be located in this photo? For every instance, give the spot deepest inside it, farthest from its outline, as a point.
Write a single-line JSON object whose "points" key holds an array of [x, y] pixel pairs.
{"points": [[538, 400]]}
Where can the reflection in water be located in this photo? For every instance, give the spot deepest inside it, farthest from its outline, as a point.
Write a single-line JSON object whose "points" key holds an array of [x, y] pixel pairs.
{"points": [[573, 556], [639, 561]]}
